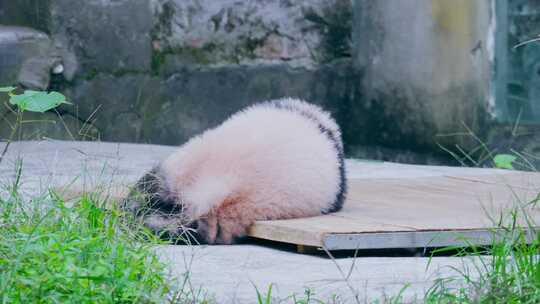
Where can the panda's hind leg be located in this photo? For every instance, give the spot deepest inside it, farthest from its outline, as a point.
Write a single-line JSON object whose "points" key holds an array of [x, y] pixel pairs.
{"points": [[229, 222]]}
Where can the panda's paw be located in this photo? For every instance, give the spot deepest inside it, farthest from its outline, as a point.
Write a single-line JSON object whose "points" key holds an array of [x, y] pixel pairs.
{"points": [[220, 230], [207, 228]]}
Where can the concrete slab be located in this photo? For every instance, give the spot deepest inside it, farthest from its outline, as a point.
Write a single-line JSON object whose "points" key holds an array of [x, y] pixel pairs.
{"points": [[231, 273], [79, 165]]}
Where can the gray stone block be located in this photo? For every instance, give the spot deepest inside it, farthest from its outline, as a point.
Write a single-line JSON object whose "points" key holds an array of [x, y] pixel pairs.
{"points": [[35, 73], [19, 47], [118, 106], [106, 36]]}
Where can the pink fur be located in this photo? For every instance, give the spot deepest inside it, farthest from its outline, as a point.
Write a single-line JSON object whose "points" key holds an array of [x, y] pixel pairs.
{"points": [[263, 163]]}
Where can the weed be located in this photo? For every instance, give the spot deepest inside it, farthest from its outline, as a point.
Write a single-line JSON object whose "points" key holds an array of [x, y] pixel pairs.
{"points": [[53, 251], [507, 271], [31, 101], [308, 297]]}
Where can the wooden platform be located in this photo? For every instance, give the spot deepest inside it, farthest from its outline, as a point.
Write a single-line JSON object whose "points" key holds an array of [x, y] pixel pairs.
{"points": [[388, 206], [402, 206]]}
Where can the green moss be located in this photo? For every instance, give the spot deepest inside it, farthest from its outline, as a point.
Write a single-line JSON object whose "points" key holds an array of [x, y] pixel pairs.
{"points": [[158, 59], [187, 54], [91, 74], [208, 54], [94, 73], [125, 72], [195, 55], [161, 29]]}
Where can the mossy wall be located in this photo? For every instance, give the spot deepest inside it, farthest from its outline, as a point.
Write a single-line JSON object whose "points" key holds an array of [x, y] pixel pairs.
{"points": [[397, 75]]}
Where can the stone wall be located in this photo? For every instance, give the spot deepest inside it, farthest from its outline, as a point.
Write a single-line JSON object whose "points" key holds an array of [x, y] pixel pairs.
{"points": [[395, 74]]}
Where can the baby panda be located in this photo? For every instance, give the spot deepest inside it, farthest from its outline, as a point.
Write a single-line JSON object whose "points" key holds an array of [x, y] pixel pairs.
{"points": [[279, 159]]}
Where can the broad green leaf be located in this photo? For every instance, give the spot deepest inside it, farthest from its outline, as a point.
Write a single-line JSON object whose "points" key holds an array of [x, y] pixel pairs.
{"points": [[504, 161], [6, 89], [35, 101]]}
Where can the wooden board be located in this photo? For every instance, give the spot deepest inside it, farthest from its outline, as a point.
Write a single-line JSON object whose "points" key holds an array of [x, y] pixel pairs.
{"points": [[401, 206]]}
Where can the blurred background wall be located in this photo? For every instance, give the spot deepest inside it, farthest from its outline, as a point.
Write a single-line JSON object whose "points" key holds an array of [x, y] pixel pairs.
{"points": [[401, 77]]}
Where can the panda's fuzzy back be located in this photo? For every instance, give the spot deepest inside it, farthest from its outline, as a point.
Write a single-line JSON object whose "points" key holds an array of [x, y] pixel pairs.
{"points": [[275, 160]]}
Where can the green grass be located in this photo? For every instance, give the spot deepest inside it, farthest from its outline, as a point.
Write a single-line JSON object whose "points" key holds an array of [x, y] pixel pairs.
{"points": [[52, 251], [308, 297], [507, 271]]}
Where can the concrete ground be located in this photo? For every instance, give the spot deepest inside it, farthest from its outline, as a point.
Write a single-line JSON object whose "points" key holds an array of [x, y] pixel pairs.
{"points": [[229, 274], [232, 273]]}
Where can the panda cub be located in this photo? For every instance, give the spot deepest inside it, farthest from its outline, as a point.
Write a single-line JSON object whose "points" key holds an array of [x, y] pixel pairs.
{"points": [[279, 159]]}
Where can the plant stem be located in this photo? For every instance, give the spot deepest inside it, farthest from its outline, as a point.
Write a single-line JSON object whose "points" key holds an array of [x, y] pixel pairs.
{"points": [[11, 135]]}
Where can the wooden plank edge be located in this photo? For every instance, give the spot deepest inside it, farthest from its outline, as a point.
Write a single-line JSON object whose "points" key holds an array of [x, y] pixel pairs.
{"points": [[415, 239], [298, 237]]}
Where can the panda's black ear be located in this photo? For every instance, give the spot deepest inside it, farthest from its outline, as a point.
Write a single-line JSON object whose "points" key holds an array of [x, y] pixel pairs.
{"points": [[151, 191], [150, 183], [142, 192]]}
